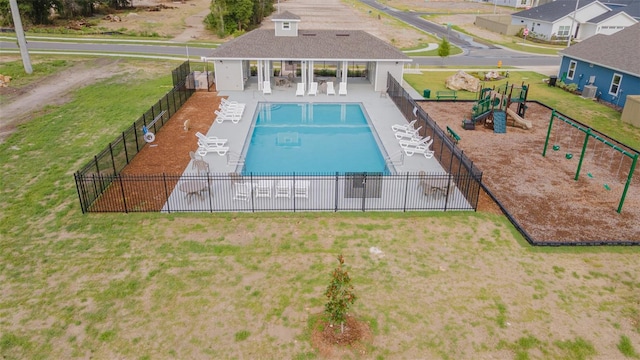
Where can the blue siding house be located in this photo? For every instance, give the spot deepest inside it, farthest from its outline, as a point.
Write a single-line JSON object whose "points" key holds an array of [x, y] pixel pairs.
{"points": [[609, 62]]}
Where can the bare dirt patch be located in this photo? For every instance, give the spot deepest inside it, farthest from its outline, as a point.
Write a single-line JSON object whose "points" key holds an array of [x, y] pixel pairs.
{"points": [[540, 191], [25, 103]]}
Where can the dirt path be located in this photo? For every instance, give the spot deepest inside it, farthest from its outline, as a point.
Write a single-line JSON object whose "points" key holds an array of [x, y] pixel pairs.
{"points": [[29, 102]]}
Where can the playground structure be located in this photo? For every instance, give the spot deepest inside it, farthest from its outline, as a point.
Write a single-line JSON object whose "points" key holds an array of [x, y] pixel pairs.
{"points": [[494, 108], [591, 134]]}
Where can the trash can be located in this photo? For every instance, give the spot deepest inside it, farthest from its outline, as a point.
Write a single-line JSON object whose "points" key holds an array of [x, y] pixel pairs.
{"points": [[426, 93], [552, 80]]}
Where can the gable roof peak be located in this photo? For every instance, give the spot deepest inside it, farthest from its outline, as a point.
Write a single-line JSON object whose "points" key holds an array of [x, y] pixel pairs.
{"points": [[285, 16]]}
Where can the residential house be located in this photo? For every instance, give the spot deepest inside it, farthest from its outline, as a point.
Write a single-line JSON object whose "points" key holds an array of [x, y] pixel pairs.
{"points": [[559, 19], [605, 66]]}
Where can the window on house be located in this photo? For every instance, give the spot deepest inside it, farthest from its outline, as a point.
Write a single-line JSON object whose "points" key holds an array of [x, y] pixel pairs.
{"points": [[615, 84], [286, 25], [523, 2], [563, 31], [572, 69]]}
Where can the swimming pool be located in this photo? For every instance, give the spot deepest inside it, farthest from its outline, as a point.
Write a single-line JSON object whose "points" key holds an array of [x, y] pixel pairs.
{"points": [[319, 138]]}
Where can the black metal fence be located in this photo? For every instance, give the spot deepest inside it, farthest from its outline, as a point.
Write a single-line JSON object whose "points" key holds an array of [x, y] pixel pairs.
{"points": [[253, 193], [451, 158], [125, 147]]}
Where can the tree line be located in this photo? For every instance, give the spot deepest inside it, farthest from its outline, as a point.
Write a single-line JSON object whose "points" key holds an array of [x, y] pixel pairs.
{"points": [[40, 12], [226, 17], [229, 17]]}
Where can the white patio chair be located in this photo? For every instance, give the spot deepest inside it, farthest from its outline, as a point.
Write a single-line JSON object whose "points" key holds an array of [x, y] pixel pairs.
{"points": [[300, 89], [342, 90], [210, 140], [222, 117], [427, 141], [283, 188], [263, 188], [404, 127], [424, 150], [301, 189], [330, 89], [226, 102], [242, 191], [237, 108], [204, 149], [409, 134], [313, 88]]}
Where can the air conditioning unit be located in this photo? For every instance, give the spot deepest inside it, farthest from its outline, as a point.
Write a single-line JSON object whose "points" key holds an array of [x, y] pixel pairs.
{"points": [[589, 91]]}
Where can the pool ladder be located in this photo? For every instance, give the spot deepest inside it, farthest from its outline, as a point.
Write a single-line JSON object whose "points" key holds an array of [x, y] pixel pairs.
{"points": [[397, 158], [234, 159]]}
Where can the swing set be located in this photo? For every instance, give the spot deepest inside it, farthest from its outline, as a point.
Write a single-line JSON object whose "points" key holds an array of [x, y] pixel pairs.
{"points": [[589, 134]]}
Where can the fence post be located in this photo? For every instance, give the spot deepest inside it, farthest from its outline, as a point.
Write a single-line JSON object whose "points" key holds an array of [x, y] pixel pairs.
{"points": [[124, 144], [113, 161], [124, 198], [209, 191], [166, 192], [406, 194], [82, 204], [337, 191]]}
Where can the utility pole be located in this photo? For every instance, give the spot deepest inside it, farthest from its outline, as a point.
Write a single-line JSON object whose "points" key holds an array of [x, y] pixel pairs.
{"points": [[573, 21], [22, 42]]}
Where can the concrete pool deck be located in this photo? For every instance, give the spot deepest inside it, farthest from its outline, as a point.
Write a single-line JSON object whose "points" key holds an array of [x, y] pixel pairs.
{"points": [[325, 193], [381, 110]]}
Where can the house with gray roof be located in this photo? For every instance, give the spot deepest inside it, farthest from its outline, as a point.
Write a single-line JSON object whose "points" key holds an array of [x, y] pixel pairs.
{"points": [[298, 53], [605, 66], [560, 19]]}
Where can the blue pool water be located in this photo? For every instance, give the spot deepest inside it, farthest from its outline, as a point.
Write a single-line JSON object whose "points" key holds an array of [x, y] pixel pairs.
{"points": [[312, 138]]}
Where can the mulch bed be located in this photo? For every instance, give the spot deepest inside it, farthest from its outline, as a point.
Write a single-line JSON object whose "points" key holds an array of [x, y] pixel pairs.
{"points": [[168, 154]]}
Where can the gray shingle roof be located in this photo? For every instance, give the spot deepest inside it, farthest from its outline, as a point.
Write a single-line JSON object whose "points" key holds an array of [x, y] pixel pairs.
{"points": [[619, 51], [262, 44], [552, 11], [605, 16], [285, 15]]}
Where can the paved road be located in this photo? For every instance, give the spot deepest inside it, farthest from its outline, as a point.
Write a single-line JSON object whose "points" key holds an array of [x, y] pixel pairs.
{"points": [[178, 51], [474, 54]]}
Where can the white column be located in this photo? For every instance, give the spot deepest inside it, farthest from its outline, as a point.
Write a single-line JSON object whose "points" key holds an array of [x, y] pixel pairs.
{"points": [[310, 71], [260, 74], [303, 74], [345, 67]]}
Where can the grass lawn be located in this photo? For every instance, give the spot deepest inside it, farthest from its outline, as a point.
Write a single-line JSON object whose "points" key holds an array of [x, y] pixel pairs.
{"points": [[591, 113], [224, 286]]}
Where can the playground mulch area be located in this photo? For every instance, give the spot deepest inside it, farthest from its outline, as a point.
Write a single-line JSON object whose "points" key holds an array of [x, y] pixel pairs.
{"points": [[540, 192]]}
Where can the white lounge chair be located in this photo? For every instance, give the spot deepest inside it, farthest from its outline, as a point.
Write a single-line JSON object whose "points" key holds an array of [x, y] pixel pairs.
{"points": [[424, 150], [266, 87], [222, 117], [313, 88], [330, 89], [263, 188], [283, 188], [226, 102], [427, 141], [342, 90], [211, 140], [204, 149], [300, 89], [301, 189], [242, 191], [409, 134], [232, 107], [404, 127]]}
